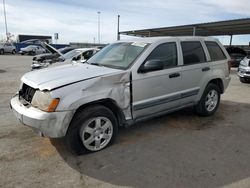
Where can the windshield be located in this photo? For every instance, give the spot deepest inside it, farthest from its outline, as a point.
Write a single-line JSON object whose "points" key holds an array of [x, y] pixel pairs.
{"points": [[118, 55], [71, 54], [30, 47]]}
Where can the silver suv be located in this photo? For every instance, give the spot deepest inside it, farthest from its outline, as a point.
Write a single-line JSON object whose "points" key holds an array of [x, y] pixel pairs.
{"points": [[7, 48], [126, 82]]}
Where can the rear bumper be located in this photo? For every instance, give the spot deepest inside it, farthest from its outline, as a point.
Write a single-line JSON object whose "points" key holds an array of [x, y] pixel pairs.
{"points": [[53, 124]]}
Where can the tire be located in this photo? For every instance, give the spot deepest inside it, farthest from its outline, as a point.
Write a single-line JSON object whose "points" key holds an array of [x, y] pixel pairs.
{"points": [[2, 51], [89, 128], [209, 101], [247, 80], [13, 52], [244, 80]]}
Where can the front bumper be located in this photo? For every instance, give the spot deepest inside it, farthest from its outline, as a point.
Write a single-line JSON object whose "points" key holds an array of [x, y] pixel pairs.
{"points": [[243, 75], [53, 124]]}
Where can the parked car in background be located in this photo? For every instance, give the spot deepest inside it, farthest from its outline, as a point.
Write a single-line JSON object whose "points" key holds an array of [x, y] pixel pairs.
{"points": [[236, 58], [51, 57], [32, 50], [236, 54], [33, 41], [79, 55], [244, 70], [7, 48], [125, 82]]}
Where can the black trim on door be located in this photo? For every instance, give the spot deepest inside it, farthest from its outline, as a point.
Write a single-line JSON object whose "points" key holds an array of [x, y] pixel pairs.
{"points": [[165, 99]]}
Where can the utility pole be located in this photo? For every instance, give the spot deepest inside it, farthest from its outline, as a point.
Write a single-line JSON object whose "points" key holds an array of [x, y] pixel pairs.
{"points": [[6, 28], [118, 27], [99, 40], [231, 39]]}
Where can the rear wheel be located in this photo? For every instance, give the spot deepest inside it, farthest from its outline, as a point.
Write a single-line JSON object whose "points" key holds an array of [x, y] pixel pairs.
{"points": [[209, 101], [13, 51], [91, 130], [2, 51]]}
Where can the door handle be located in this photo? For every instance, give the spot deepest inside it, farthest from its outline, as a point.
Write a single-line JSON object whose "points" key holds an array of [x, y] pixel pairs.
{"points": [[174, 75], [205, 69]]}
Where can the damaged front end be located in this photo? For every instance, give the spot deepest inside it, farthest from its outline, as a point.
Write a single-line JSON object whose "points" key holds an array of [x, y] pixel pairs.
{"points": [[48, 107]]}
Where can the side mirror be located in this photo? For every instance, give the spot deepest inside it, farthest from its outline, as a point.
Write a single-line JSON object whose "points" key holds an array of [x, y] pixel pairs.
{"points": [[151, 65]]}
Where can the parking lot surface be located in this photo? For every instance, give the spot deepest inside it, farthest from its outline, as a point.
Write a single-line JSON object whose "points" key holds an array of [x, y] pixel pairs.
{"points": [[180, 149]]}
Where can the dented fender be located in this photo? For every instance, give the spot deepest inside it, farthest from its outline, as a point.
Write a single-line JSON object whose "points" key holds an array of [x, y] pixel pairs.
{"points": [[114, 86]]}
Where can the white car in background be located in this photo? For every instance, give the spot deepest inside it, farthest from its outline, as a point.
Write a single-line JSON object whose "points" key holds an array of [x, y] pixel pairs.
{"points": [[32, 50], [7, 48], [79, 55], [244, 70]]}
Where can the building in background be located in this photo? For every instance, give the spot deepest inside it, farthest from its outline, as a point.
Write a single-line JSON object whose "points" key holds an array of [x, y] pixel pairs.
{"points": [[30, 38]]}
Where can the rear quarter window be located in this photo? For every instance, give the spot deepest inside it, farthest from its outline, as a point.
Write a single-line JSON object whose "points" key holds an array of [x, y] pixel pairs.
{"points": [[215, 51], [193, 52]]}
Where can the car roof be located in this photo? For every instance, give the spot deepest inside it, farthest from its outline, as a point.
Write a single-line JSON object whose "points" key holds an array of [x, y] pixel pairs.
{"points": [[158, 39], [32, 46], [85, 49]]}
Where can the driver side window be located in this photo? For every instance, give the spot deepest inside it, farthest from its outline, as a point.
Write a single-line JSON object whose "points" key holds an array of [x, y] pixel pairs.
{"points": [[167, 53]]}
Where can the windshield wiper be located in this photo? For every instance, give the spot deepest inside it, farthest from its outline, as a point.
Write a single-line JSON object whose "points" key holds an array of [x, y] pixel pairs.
{"points": [[97, 64]]}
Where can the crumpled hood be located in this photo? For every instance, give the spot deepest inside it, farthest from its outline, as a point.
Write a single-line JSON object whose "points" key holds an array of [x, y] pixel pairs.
{"points": [[51, 48], [51, 78]]}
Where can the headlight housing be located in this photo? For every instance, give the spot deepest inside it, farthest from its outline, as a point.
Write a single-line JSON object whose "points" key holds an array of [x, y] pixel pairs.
{"points": [[44, 101]]}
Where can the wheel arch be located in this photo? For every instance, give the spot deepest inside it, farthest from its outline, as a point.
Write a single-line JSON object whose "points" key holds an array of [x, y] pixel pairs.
{"points": [[108, 103], [219, 82]]}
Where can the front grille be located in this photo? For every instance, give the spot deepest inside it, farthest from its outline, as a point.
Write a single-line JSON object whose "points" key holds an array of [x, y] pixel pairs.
{"points": [[27, 93], [248, 72]]}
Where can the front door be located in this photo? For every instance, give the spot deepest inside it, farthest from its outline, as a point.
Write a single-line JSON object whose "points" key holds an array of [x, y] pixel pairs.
{"points": [[158, 90]]}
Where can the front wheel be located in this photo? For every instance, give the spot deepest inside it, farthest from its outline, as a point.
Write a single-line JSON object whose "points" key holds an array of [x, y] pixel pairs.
{"points": [[209, 101], [93, 129], [13, 52], [245, 80]]}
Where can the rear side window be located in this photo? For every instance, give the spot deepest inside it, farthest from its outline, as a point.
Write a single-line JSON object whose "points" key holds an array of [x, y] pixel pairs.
{"points": [[167, 53], [215, 51], [192, 52]]}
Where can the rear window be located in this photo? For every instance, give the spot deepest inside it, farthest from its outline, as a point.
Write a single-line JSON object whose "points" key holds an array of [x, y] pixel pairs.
{"points": [[192, 52], [215, 51]]}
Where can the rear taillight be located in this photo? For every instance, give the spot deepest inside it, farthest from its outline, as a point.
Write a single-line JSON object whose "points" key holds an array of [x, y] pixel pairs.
{"points": [[229, 63]]}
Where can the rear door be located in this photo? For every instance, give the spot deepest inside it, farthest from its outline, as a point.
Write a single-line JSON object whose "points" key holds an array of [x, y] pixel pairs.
{"points": [[195, 70]]}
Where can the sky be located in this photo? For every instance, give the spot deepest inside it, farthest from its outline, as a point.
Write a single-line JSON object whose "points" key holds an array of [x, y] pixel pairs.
{"points": [[77, 20]]}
